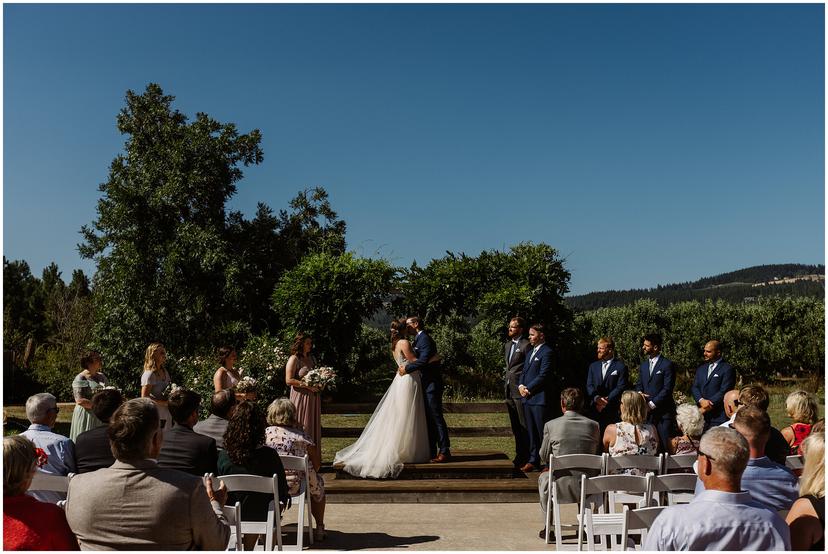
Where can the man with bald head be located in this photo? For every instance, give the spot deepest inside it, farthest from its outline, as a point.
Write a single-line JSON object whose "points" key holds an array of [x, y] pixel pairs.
{"points": [[731, 405], [713, 379]]}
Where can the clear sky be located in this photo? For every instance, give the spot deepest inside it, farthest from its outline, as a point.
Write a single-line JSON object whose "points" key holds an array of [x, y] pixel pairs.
{"points": [[647, 143]]}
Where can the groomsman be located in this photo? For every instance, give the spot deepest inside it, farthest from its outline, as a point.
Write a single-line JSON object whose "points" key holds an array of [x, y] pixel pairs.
{"points": [[656, 380], [537, 369], [606, 381], [713, 379], [514, 352]]}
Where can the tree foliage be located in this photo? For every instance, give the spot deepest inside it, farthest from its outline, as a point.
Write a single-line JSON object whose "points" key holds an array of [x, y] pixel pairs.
{"points": [[165, 270]]}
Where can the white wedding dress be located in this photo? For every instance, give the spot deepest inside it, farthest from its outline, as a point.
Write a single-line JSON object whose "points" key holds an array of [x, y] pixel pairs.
{"points": [[395, 435]]}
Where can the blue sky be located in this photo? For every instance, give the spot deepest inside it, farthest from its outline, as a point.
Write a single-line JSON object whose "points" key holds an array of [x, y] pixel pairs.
{"points": [[647, 143]]}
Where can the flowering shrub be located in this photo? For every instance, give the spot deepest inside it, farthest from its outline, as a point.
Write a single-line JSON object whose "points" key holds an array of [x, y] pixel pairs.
{"points": [[263, 358], [196, 374]]}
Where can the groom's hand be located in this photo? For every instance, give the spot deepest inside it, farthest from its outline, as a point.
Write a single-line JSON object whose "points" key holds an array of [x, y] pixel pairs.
{"points": [[401, 370]]}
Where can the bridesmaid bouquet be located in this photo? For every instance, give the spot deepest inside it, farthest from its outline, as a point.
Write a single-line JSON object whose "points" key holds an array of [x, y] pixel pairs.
{"points": [[167, 391], [247, 384], [321, 378]]}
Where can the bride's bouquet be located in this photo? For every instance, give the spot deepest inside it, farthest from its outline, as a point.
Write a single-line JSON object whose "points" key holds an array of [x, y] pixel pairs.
{"points": [[320, 377]]}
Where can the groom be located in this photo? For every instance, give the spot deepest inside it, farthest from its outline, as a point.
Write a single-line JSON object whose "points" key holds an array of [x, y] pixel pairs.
{"points": [[432, 381]]}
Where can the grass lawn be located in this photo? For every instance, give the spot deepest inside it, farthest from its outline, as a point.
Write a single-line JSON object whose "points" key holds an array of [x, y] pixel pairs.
{"points": [[504, 444]]}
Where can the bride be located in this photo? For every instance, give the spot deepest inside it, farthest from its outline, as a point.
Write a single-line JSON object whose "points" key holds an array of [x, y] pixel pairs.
{"points": [[397, 432]]}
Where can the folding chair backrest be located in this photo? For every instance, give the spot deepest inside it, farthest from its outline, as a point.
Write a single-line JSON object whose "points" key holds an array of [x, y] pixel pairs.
{"points": [[794, 462], [43, 481], [680, 487], [299, 466], [233, 516], [640, 521], [676, 463], [267, 485], [576, 461], [646, 463], [607, 525], [251, 483]]}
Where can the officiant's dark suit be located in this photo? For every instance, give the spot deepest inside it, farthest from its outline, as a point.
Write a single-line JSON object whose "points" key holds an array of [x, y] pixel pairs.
{"points": [[536, 376], [607, 384], [514, 352], [432, 381]]}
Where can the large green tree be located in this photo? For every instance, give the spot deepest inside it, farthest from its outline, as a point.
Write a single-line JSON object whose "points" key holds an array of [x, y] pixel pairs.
{"points": [[164, 266]]}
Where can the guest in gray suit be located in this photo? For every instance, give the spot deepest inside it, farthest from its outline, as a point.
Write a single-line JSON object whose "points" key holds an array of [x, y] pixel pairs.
{"points": [[136, 505], [514, 352], [221, 408], [572, 433]]}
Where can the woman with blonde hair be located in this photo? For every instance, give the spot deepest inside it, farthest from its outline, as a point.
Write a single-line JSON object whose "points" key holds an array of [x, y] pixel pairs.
{"points": [[286, 437], [690, 422], [631, 435], [806, 517], [802, 409], [155, 380]]}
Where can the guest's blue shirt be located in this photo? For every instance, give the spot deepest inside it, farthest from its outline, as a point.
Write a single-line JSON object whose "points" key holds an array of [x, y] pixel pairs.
{"points": [[61, 453], [717, 520], [770, 483]]}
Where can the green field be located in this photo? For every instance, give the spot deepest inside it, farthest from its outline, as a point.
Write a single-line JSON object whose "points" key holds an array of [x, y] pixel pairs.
{"points": [[503, 444]]}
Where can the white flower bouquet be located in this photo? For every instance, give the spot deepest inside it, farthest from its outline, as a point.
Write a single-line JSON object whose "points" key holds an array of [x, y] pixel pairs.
{"points": [[321, 377]]}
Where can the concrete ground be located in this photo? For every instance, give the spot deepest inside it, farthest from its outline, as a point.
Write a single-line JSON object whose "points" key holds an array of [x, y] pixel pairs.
{"points": [[505, 526]]}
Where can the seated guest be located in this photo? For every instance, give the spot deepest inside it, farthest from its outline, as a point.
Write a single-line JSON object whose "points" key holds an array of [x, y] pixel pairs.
{"points": [[29, 524], [92, 451], [691, 425], [722, 517], [245, 452], [572, 433], [136, 505], [807, 516], [772, 484], [755, 395], [731, 405], [184, 449], [802, 409], [631, 436], [287, 438], [221, 407], [42, 411], [819, 426]]}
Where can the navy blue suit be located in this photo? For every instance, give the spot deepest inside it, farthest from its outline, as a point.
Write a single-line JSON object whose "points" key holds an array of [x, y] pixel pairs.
{"points": [[432, 381], [659, 386], [714, 388], [611, 386], [536, 376]]}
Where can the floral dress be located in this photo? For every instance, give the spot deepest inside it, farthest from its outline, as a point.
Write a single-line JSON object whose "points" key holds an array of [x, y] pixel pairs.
{"points": [[625, 444], [83, 388], [293, 442]]}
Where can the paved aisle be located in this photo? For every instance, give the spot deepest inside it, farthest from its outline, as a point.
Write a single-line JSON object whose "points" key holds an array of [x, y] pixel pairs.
{"points": [[505, 526]]}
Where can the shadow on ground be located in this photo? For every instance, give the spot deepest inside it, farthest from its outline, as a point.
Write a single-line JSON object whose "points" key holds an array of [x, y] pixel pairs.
{"points": [[338, 540]]}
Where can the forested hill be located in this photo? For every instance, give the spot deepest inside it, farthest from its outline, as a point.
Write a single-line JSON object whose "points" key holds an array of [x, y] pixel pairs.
{"points": [[736, 286]]}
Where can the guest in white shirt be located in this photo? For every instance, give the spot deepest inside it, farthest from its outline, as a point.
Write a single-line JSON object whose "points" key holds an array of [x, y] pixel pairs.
{"points": [[42, 411], [723, 517]]}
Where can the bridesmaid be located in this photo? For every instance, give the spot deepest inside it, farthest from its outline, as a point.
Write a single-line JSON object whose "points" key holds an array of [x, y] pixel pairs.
{"points": [[155, 380], [85, 384], [225, 376], [306, 399]]}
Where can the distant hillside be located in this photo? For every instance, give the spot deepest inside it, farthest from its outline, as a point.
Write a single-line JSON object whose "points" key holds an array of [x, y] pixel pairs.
{"points": [[743, 285]]}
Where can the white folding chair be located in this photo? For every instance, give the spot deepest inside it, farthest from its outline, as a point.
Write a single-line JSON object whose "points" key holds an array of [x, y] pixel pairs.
{"points": [[794, 463], [609, 487], [611, 525], [679, 488], [645, 463], [640, 521], [578, 462], [266, 485], [43, 481], [297, 468], [233, 516], [678, 463]]}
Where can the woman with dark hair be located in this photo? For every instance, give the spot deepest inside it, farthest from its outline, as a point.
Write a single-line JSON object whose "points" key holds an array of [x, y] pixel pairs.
{"points": [[306, 399], [29, 524], [84, 386], [245, 452], [397, 432], [225, 376]]}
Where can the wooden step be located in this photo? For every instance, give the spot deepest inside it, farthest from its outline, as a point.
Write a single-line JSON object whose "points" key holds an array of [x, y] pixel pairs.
{"points": [[448, 408], [466, 464], [485, 431]]}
